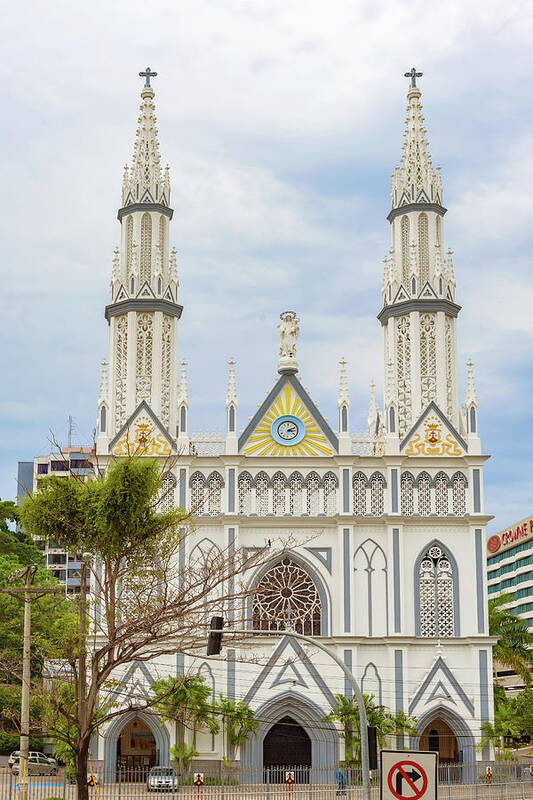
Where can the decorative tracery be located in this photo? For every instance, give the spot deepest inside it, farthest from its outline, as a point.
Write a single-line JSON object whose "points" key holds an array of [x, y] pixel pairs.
{"points": [[197, 484], [245, 494], [436, 593], [146, 248], [330, 494], [278, 493], [428, 358], [296, 483], [424, 494], [407, 494], [313, 494], [423, 248], [441, 494], [214, 488], [144, 357], [287, 599], [377, 499], [121, 365], [166, 361], [261, 494], [405, 249], [459, 494], [167, 492], [450, 377], [403, 355], [359, 494]]}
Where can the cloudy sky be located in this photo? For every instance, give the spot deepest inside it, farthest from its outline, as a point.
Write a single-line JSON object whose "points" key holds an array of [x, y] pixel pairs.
{"points": [[282, 121]]}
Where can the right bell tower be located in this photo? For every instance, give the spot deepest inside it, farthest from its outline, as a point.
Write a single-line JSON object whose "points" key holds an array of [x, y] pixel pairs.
{"points": [[419, 310]]}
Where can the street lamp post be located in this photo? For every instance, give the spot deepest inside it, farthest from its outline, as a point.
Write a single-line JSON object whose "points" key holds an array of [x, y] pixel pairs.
{"points": [[215, 645]]}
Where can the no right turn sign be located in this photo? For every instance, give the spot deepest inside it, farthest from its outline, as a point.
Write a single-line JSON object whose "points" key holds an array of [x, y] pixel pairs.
{"points": [[408, 776]]}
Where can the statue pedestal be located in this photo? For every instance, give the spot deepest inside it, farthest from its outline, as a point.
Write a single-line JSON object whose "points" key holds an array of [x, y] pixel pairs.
{"points": [[287, 365]]}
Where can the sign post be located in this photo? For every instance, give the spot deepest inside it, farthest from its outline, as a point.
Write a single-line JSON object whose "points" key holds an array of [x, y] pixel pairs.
{"points": [[198, 781], [408, 776], [289, 780]]}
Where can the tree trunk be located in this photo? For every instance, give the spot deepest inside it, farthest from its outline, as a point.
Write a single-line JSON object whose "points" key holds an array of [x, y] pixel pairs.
{"points": [[82, 759]]}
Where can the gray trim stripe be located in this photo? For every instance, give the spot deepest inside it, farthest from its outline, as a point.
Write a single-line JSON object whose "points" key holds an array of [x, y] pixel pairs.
{"points": [[346, 559], [394, 490], [348, 688], [396, 580], [231, 489], [323, 554], [477, 491], [479, 582], [158, 207], [406, 306], [484, 692], [401, 210], [183, 487], [143, 304], [230, 686], [398, 679], [345, 491]]}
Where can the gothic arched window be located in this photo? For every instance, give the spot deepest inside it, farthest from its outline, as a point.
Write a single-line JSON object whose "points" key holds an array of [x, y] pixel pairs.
{"points": [[424, 494], [102, 419], [261, 494], [459, 493], [245, 493], [313, 490], [377, 494], [407, 494], [441, 494], [214, 496], [423, 248], [166, 494], [286, 598], [278, 493], [296, 484], [436, 578], [146, 248], [197, 484], [359, 494], [330, 494], [370, 566]]}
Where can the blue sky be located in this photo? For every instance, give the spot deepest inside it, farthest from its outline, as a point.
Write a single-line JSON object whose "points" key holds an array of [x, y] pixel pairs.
{"points": [[281, 122]]}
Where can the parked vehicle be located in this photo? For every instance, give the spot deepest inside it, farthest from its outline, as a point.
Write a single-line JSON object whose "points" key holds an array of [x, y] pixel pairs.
{"points": [[38, 764], [15, 755], [161, 779]]}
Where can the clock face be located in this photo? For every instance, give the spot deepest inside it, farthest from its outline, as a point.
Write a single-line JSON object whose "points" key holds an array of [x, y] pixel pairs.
{"points": [[288, 430]]}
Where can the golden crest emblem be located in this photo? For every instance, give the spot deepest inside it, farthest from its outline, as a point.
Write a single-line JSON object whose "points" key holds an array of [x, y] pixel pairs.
{"points": [[432, 443]]}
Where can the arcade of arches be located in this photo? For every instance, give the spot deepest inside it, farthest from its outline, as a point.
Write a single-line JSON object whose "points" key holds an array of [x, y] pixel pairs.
{"points": [[439, 738]]}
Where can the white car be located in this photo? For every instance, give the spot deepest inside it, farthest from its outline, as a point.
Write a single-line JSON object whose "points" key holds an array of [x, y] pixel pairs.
{"points": [[38, 764], [161, 779], [15, 755]]}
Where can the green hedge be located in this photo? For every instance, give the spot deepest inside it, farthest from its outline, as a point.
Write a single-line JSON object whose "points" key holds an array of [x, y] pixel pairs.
{"points": [[10, 742]]}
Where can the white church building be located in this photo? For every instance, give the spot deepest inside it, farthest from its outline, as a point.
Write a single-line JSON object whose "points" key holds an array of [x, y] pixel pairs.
{"points": [[391, 569]]}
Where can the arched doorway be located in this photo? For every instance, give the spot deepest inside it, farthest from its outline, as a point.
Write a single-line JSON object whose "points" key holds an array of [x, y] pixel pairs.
{"points": [[439, 738], [287, 745], [136, 750], [117, 745]]}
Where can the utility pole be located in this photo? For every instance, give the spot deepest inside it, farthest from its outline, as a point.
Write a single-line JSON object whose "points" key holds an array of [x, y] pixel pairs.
{"points": [[27, 594], [82, 670]]}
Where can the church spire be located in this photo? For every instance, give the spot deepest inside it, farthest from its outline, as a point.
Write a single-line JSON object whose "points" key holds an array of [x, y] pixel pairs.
{"points": [[415, 180], [144, 182]]}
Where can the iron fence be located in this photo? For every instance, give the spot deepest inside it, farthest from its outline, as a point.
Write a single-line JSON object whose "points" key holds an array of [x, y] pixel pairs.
{"points": [[508, 781]]}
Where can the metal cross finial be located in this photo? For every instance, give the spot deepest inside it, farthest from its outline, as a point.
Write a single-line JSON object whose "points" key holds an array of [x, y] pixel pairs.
{"points": [[147, 74], [413, 74]]}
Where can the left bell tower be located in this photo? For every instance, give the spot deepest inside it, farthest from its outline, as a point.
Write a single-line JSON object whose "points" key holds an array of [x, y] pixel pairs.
{"points": [[143, 313]]}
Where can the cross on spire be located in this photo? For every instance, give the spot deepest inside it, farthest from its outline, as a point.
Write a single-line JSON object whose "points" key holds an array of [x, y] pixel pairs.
{"points": [[413, 74], [147, 74]]}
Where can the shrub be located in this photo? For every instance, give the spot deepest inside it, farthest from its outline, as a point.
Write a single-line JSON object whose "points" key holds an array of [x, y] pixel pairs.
{"points": [[11, 741]]}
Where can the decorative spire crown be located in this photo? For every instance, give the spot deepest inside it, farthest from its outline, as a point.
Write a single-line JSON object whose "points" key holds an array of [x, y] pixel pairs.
{"points": [[471, 397], [183, 398], [415, 180], [344, 397], [144, 181], [231, 397], [373, 411]]}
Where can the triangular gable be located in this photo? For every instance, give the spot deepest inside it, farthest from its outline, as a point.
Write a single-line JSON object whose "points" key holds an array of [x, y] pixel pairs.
{"points": [[122, 295], [440, 692], [401, 295], [404, 199], [146, 291], [129, 200], [428, 292], [422, 197], [147, 197], [142, 435], [433, 435], [440, 675], [130, 681], [305, 665], [168, 294], [288, 674], [288, 399]]}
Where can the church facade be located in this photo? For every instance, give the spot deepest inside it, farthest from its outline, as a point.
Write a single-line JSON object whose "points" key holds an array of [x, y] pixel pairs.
{"points": [[390, 571]]}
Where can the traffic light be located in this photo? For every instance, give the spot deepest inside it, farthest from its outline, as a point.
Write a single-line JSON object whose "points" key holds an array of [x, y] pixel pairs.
{"points": [[214, 642], [372, 748]]}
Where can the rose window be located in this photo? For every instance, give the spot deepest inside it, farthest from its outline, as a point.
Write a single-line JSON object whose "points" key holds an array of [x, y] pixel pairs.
{"points": [[287, 599]]}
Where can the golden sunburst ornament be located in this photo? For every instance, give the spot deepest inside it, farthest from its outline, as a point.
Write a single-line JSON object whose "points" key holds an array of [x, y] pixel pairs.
{"points": [[287, 429]]}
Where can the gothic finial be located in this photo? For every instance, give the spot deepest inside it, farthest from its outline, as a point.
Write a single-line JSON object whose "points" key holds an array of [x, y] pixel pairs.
{"points": [[231, 396], [389, 385], [471, 397], [373, 411], [344, 397], [116, 265], [183, 398], [288, 335], [451, 271], [103, 381], [413, 74]]}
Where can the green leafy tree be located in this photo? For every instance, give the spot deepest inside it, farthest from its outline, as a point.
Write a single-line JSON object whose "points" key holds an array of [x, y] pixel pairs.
{"points": [[512, 649], [505, 724], [185, 701], [238, 724], [523, 708], [346, 714], [148, 605]]}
